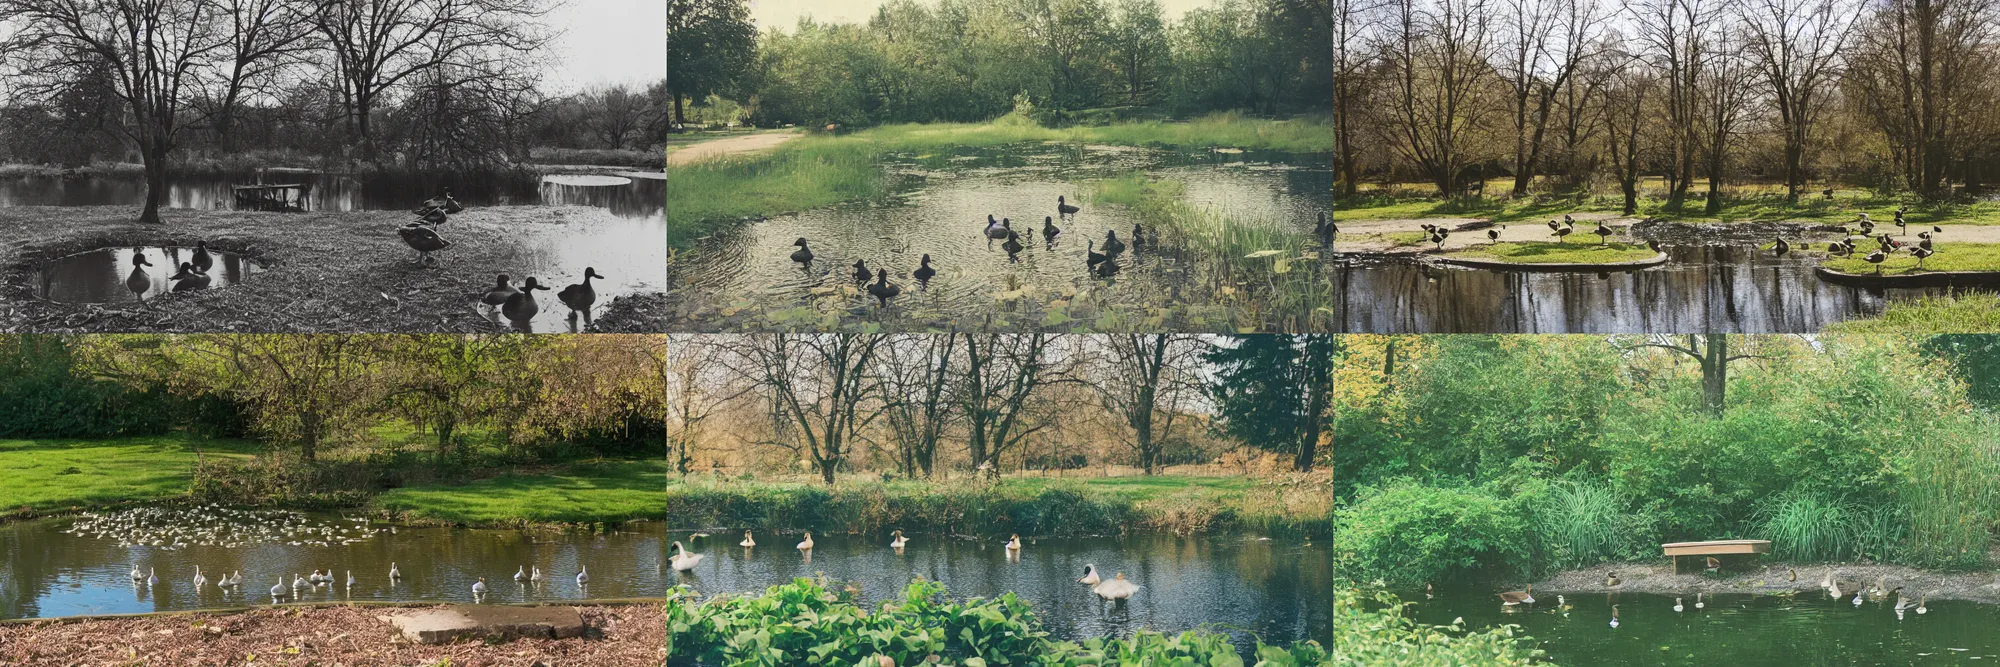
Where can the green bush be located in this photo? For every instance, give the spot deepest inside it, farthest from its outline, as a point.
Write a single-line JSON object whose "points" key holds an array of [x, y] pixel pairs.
{"points": [[805, 622], [1373, 631], [1408, 533]]}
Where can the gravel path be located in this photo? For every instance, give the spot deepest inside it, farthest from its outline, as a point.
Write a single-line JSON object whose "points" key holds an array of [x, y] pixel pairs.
{"points": [[708, 150]]}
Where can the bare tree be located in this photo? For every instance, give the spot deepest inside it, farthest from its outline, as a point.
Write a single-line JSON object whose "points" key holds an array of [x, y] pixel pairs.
{"points": [[1004, 374], [1921, 72], [919, 398], [155, 55], [264, 36], [1797, 48], [1352, 58], [1547, 41], [692, 370], [1438, 50], [1725, 84], [1624, 102], [300, 385], [1711, 351], [815, 385], [1147, 380], [1676, 34]]}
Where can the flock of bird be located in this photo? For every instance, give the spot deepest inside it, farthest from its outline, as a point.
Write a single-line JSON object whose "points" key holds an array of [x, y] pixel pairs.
{"points": [[1101, 264], [516, 304], [190, 276], [1835, 589], [214, 525], [1117, 588], [319, 580], [1886, 245]]}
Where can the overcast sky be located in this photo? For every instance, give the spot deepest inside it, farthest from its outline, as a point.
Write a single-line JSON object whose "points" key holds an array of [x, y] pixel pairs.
{"points": [[608, 41], [785, 13]]}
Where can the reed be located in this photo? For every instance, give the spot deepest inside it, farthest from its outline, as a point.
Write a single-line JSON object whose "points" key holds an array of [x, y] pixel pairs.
{"points": [[1582, 524], [1809, 527]]}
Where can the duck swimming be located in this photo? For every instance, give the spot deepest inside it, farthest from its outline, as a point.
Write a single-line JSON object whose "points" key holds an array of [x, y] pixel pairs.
{"points": [[924, 270], [189, 279], [1116, 589], [747, 541], [202, 259], [580, 296], [521, 307], [502, 288], [140, 282], [883, 290], [804, 255]]}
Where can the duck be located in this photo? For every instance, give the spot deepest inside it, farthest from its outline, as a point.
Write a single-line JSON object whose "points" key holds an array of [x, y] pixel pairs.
{"points": [[1106, 269], [1781, 247], [443, 202], [1876, 258], [1903, 603], [580, 296], [1118, 588], [1881, 588], [1049, 229], [1523, 596], [521, 573], [996, 229], [806, 544], [682, 560], [1677, 605], [1089, 576], [137, 575], [202, 258], [1857, 598], [1698, 604], [583, 575], [503, 287], [1611, 580], [1603, 233], [924, 271], [1563, 605], [1063, 206], [521, 307], [188, 279], [424, 240], [1614, 616], [1791, 574], [479, 587], [1014, 542], [899, 541], [804, 255], [1013, 245], [1562, 233], [883, 290], [1090, 254], [432, 217], [861, 273], [747, 541], [1112, 245], [1138, 236], [1922, 253], [393, 572]]}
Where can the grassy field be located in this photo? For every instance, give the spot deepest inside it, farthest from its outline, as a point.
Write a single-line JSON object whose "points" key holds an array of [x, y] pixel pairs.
{"points": [[45, 475], [1557, 252], [1970, 312], [1023, 504], [1953, 257], [822, 170], [582, 492]]}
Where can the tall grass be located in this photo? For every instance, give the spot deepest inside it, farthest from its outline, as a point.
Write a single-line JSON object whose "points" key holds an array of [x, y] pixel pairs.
{"points": [[1809, 527], [1967, 312], [1953, 497], [1582, 524]]}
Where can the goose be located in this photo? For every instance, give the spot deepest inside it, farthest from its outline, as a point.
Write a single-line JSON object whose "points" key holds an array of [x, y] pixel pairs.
{"points": [[1138, 235], [1562, 234], [479, 588], [1921, 609], [1611, 580], [1063, 207], [203, 261], [1603, 233], [883, 290], [1118, 588], [1013, 245], [1902, 602], [899, 541], [1492, 236], [1112, 245], [1049, 229], [747, 541], [994, 229], [152, 579], [1902, 226], [316, 578], [1827, 192], [806, 544], [140, 282], [234, 580], [1677, 605], [188, 279], [1921, 254], [521, 573], [1523, 596], [1614, 616], [924, 270], [1857, 598], [199, 581], [583, 575], [432, 217], [1698, 604], [535, 574], [278, 589], [1438, 235], [1090, 254], [1881, 588], [1567, 220], [580, 296], [502, 289], [1876, 258], [1014, 542], [1781, 247], [804, 255], [1089, 576], [137, 575], [1655, 245], [861, 274], [521, 308], [350, 578], [682, 560], [424, 240], [1553, 226], [393, 572]]}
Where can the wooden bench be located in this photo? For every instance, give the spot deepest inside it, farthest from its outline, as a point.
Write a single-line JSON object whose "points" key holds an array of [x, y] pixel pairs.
{"points": [[1717, 548]]}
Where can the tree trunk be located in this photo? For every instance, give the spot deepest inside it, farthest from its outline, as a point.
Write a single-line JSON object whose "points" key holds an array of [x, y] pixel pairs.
{"points": [[1715, 373], [155, 156]]}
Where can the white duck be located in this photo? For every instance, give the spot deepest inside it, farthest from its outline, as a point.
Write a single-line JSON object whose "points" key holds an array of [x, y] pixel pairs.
{"points": [[1116, 589], [479, 588], [900, 541], [199, 581], [393, 572], [583, 575], [747, 541], [521, 574], [682, 560]]}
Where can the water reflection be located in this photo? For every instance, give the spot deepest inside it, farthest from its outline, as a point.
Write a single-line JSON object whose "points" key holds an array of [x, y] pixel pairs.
{"points": [[1277, 589], [48, 573], [104, 276]]}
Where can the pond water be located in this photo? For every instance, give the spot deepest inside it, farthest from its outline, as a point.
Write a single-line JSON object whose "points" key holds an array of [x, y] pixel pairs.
{"points": [[940, 209], [1702, 288], [1280, 590], [643, 197], [1806, 630], [48, 572], [101, 276]]}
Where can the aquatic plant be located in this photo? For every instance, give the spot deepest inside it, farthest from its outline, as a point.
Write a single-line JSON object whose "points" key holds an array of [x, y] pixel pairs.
{"points": [[1373, 630]]}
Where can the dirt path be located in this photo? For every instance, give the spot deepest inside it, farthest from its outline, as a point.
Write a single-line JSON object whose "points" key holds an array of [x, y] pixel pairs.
{"points": [[715, 148], [620, 636], [1975, 586]]}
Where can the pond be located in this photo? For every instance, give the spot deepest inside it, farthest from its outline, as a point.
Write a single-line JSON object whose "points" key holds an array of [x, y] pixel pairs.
{"points": [[106, 276], [1280, 590], [1702, 288], [643, 197], [1807, 630], [940, 209], [49, 572]]}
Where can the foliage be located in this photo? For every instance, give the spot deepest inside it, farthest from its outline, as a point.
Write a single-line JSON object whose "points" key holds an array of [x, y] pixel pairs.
{"points": [[1407, 534], [47, 398], [806, 621], [1276, 391], [1582, 523], [1374, 631], [1966, 312]]}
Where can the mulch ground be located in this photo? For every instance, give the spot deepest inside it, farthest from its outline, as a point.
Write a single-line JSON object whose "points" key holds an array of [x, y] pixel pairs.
{"points": [[333, 636], [323, 272]]}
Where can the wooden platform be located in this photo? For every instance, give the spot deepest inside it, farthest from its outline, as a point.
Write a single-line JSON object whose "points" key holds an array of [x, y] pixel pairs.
{"points": [[1716, 548]]}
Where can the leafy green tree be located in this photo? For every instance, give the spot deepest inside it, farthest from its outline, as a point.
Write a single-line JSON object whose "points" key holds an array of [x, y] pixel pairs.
{"points": [[1975, 358], [710, 43], [1276, 391], [1139, 53]]}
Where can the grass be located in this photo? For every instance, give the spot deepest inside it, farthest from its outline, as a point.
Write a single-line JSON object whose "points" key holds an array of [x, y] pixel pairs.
{"points": [[579, 493], [1950, 257], [1741, 203], [1555, 252], [1026, 505], [1968, 312], [45, 475]]}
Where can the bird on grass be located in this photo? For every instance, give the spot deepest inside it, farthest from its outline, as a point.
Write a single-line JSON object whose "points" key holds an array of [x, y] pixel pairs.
{"points": [[1781, 247], [424, 240], [1013, 245], [1876, 258], [1921, 253], [1049, 229], [1603, 233], [1112, 245]]}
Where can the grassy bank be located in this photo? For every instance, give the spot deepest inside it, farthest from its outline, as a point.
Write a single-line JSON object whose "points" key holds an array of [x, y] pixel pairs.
{"points": [[323, 271], [1952, 257], [1969, 312], [1743, 203], [45, 476], [808, 618], [822, 170], [1029, 506], [1557, 253]]}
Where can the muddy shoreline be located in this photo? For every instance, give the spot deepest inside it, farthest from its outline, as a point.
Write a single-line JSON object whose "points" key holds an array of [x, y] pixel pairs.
{"points": [[323, 271], [620, 633], [1982, 586]]}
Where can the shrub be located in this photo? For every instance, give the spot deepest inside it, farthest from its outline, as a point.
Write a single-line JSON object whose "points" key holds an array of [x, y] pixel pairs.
{"points": [[1408, 533], [1373, 631]]}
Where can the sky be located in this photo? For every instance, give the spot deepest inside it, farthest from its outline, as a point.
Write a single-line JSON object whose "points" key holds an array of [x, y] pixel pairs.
{"points": [[784, 14], [607, 41]]}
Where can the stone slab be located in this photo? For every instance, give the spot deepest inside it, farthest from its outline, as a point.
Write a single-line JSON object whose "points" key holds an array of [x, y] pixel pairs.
{"points": [[444, 625]]}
